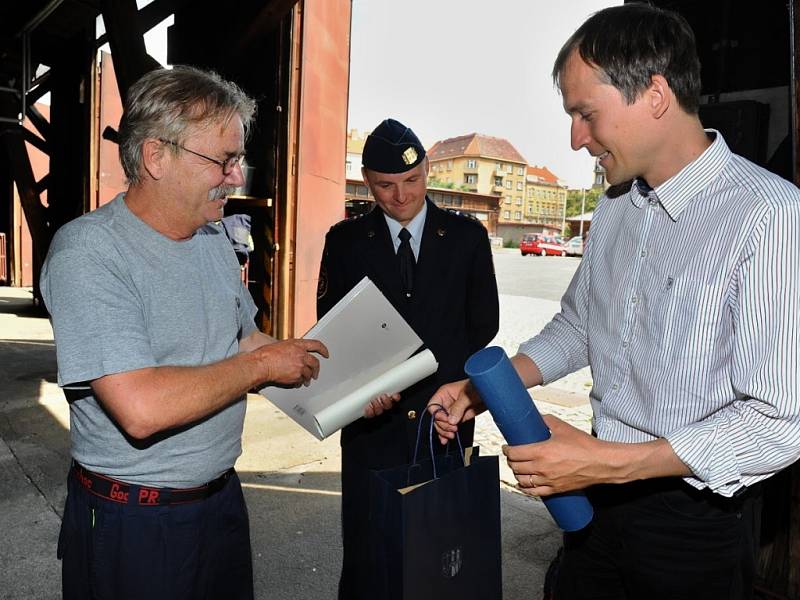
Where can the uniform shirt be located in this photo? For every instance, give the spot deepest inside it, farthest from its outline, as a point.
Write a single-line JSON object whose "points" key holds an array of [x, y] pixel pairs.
{"points": [[686, 305], [415, 227]]}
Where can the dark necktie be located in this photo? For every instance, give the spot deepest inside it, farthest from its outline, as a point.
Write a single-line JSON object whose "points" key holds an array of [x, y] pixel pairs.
{"points": [[407, 261]]}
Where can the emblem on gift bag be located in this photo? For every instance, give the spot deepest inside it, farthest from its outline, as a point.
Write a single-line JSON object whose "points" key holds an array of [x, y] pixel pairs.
{"points": [[451, 562]]}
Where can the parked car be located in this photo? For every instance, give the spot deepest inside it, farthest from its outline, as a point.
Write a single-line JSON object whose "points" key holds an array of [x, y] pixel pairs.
{"points": [[574, 246], [543, 245]]}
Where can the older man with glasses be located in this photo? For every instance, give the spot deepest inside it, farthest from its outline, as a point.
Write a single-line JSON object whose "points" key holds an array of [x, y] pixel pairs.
{"points": [[157, 346]]}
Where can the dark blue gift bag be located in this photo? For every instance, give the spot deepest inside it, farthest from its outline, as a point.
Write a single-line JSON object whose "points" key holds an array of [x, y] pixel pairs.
{"points": [[435, 529]]}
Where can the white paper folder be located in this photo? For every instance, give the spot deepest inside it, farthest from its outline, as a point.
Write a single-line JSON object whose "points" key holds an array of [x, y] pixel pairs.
{"points": [[369, 345]]}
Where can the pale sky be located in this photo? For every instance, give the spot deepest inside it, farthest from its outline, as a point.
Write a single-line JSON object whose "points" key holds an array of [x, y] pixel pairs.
{"points": [[451, 67]]}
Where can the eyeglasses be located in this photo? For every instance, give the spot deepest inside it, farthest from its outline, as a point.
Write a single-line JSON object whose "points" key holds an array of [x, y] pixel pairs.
{"points": [[228, 165]]}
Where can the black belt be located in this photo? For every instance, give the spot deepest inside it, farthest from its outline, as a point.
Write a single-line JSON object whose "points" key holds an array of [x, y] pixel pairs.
{"points": [[129, 493], [615, 494]]}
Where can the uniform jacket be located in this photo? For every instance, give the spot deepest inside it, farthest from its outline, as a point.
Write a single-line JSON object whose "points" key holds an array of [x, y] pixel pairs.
{"points": [[454, 309]]}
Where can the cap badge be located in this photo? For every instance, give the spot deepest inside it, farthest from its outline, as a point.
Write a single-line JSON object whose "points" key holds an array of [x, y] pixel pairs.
{"points": [[409, 155]]}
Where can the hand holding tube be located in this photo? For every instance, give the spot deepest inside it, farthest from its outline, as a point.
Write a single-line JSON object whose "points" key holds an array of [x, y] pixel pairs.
{"points": [[507, 399]]}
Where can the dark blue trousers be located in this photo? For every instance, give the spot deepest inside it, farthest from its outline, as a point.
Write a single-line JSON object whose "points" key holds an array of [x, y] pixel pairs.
{"points": [[662, 540], [198, 551]]}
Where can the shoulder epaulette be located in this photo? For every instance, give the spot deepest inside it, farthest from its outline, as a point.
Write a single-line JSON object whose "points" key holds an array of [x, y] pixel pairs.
{"points": [[463, 216]]}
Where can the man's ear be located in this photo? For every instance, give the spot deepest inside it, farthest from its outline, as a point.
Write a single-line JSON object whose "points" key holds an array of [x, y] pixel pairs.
{"points": [[659, 96], [364, 176], [154, 158]]}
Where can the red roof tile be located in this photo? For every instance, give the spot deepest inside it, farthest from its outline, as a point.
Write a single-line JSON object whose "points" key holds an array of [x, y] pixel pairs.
{"points": [[475, 144], [542, 174]]}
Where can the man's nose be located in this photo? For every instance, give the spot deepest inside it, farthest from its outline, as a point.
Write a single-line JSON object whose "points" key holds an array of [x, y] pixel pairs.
{"points": [[236, 176], [579, 134]]}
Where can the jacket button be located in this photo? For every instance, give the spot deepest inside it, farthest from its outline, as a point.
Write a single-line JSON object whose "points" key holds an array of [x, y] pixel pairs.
{"points": [[412, 414]]}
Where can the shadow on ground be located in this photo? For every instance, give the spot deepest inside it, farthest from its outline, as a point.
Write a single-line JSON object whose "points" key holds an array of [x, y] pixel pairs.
{"points": [[290, 480]]}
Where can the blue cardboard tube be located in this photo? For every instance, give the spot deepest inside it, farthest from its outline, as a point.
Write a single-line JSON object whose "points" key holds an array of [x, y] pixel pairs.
{"points": [[518, 419]]}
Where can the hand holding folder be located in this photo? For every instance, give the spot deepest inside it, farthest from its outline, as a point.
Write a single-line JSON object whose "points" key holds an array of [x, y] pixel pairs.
{"points": [[369, 344]]}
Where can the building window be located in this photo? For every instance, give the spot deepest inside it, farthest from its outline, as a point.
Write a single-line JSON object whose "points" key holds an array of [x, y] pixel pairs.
{"points": [[520, 170], [457, 200], [448, 200], [518, 215], [362, 190], [506, 214], [508, 199], [519, 186], [470, 178], [449, 165], [508, 168], [519, 200], [498, 181], [350, 188], [472, 163], [508, 184], [348, 166]]}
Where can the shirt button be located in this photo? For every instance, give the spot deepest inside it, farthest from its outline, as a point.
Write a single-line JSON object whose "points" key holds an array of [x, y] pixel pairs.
{"points": [[615, 387], [412, 414], [634, 300], [644, 253], [624, 344]]}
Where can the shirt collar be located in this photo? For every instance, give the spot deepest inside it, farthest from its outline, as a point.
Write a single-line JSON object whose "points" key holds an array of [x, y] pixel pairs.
{"points": [[677, 192], [414, 226]]}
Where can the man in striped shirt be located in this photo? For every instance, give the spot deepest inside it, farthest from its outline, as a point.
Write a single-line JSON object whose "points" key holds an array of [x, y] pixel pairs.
{"points": [[694, 356]]}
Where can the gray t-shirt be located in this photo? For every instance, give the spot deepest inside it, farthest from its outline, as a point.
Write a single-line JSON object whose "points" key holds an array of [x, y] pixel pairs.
{"points": [[124, 297]]}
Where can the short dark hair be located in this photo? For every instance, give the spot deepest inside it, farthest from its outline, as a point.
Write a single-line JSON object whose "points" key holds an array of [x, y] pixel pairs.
{"points": [[629, 44], [164, 103]]}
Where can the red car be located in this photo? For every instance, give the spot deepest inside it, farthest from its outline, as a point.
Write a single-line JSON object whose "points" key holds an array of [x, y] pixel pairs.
{"points": [[543, 245]]}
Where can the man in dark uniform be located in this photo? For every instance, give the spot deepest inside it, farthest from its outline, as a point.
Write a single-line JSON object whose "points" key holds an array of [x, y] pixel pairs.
{"points": [[436, 268]]}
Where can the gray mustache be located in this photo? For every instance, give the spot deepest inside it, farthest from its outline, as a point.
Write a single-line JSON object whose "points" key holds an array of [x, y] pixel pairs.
{"points": [[221, 191]]}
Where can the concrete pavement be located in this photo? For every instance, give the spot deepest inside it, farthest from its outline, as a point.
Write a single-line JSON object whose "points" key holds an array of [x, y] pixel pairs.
{"points": [[291, 481]]}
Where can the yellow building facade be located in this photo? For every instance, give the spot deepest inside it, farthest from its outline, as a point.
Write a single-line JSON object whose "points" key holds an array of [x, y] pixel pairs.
{"points": [[482, 164], [545, 199]]}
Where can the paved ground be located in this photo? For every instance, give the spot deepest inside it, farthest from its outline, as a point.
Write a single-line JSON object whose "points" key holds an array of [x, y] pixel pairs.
{"points": [[291, 481], [534, 276]]}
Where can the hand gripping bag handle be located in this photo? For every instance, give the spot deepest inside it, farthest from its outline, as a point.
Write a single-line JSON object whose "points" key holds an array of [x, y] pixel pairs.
{"points": [[430, 439]]}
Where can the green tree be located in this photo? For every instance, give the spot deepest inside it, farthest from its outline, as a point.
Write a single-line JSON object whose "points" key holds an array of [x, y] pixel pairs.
{"points": [[575, 198], [574, 201], [438, 183], [447, 185]]}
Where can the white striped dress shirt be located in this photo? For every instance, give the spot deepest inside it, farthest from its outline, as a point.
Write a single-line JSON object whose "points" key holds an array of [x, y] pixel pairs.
{"points": [[687, 307]]}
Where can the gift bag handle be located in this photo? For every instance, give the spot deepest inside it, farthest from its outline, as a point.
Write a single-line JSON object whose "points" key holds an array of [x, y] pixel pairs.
{"points": [[430, 438]]}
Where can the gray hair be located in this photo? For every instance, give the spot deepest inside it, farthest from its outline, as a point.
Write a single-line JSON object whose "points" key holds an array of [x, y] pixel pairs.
{"points": [[164, 103]]}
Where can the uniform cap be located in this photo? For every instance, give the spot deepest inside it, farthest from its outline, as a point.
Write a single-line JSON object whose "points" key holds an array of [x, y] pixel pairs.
{"points": [[392, 148]]}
